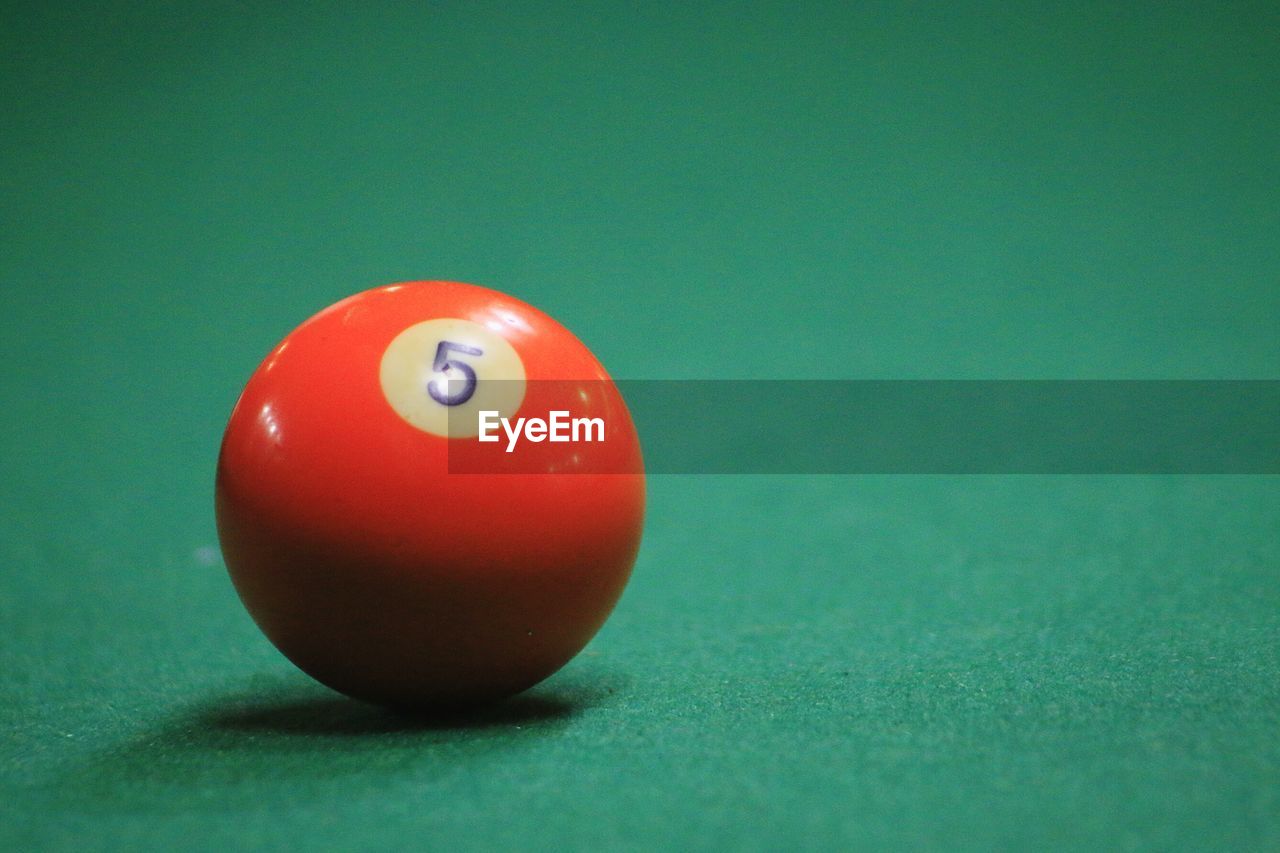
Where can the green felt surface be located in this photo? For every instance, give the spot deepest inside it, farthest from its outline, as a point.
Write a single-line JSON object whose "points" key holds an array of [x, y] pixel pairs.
{"points": [[697, 190]]}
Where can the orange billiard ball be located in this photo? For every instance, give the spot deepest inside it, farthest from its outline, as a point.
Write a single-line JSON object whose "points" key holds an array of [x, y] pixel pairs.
{"points": [[386, 549]]}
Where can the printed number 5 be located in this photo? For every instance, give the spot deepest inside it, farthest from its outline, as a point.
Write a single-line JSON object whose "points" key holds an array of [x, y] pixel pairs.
{"points": [[439, 387]]}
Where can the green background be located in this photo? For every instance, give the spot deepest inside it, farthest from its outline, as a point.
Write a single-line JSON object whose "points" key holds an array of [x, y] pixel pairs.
{"points": [[712, 190]]}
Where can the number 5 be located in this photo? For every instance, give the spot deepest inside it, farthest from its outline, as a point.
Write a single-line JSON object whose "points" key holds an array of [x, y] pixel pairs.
{"points": [[444, 364]]}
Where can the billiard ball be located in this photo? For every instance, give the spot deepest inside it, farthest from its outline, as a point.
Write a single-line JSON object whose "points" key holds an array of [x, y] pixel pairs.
{"points": [[380, 544]]}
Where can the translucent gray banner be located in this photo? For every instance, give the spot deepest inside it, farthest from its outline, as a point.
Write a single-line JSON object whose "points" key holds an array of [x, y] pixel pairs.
{"points": [[942, 427]]}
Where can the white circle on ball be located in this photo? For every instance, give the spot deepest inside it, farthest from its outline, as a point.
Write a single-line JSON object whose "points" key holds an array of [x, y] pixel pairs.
{"points": [[440, 374]]}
